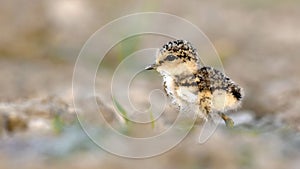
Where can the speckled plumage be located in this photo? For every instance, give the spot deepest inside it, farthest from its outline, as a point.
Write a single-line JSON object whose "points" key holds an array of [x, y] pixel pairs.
{"points": [[187, 82]]}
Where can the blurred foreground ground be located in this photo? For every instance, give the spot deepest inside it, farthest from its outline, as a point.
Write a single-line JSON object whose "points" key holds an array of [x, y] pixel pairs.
{"points": [[257, 41]]}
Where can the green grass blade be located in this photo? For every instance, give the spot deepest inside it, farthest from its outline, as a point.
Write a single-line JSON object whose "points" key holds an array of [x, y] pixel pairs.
{"points": [[121, 110]]}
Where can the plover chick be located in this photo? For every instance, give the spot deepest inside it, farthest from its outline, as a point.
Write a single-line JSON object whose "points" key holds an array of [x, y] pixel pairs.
{"points": [[188, 83]]}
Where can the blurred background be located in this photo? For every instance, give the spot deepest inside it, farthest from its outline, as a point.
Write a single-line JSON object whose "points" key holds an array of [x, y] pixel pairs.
{"points": [[258, 42]]}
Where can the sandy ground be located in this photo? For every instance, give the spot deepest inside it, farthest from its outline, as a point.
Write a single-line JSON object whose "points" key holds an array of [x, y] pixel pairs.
{"points": [[258, 44]]}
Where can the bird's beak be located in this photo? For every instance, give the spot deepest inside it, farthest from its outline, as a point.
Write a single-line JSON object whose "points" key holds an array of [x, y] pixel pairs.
{"points": [[151, 67]]}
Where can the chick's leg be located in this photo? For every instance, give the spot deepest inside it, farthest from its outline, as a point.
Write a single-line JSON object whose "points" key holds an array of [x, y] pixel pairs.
{"points": [[228, 121]]}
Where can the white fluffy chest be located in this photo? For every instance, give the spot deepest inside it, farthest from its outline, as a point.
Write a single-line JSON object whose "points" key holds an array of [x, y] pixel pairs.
{"points": [[188, 94], [180, 94], [184, 97], [169, 86]]}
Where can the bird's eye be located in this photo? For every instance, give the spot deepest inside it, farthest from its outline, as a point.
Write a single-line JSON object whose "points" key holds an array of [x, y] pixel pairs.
{"points": [[170, 58]]}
